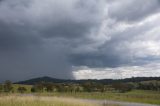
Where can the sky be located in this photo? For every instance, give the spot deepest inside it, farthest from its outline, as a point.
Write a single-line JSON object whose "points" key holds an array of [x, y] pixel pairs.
{"points": [[79, 39]]}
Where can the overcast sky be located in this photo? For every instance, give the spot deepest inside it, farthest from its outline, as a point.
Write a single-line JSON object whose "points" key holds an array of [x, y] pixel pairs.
{"points": [[79, 39]]}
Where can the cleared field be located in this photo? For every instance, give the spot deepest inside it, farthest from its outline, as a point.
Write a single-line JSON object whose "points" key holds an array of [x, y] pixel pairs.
{"points": [[44, 101]]}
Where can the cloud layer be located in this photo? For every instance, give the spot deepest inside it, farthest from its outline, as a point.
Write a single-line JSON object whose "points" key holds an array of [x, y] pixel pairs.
{"points": [[51, 37]]}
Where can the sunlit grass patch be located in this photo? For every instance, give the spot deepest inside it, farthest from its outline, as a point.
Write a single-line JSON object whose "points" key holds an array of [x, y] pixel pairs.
{"points": [[140, 96], [43, 101], [40, 101]]}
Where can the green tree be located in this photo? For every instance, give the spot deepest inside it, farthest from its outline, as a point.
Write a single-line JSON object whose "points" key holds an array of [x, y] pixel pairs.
{"points": [[122, 87], [8, 86], [87, 86], [49, 87], [33, 89], [60, 87], [21, 89], [1, 88], [39, 87]]}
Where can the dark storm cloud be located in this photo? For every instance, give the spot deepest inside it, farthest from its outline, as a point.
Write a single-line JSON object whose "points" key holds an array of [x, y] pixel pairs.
{"points": [[50, 37], [98, 60], [17, 37], [36, 37], [67, 29]]}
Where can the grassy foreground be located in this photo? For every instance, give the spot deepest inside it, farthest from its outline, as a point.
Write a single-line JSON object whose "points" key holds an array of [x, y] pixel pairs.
{"points": [[39, 101], [141, 96], [150, 97], [43, 101]]}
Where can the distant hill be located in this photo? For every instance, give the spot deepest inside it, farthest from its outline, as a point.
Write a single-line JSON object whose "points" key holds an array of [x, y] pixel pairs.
{"points": [[104, 81], [44, 79]]}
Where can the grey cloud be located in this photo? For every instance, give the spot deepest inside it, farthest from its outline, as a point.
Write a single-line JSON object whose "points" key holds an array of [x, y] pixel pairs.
{"points": [[36, 37], [133, 10], [17, 37], [98, 60], [118, 72], [40, 38], [128, 44], [67, 30], [35, 62]]}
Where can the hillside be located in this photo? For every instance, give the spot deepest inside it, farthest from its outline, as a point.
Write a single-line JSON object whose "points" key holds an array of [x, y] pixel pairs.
{"points": [[104, 81]]}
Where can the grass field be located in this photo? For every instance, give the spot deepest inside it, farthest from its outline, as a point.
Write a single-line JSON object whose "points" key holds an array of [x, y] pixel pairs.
{"points": [[150, 97], [43, 101], [140, 96]]}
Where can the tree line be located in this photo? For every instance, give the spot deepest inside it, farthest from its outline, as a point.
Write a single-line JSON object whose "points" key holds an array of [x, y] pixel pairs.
{"points": [[87, 86], [7, 87]]}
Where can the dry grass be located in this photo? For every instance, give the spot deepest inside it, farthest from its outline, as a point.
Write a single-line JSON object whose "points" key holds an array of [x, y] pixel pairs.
{"points": [[43, 101]]}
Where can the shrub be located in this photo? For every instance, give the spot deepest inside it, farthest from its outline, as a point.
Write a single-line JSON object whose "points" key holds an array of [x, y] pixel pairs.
{"points": [[21, 89]]}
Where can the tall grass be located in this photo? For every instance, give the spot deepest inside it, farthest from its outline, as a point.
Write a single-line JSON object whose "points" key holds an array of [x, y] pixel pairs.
{"points": [[150, 97], [40, 101], [43, 101]]}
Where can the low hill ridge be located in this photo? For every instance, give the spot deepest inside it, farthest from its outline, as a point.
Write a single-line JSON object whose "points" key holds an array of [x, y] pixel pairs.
{"points": [[104, 81]]}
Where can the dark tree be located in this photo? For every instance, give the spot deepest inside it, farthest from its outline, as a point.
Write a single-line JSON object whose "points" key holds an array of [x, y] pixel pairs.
{"points": [[49, 87], [39, 87], [87, 86], [33, 89], [1, 88], [8, 86], [21, 89], [122, 87]]}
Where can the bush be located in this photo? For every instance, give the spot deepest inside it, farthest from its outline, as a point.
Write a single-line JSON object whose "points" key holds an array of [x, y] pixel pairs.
{"points": [[1, 88], [122, 87], [8, 86], [33, 89], [21, 89]]}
